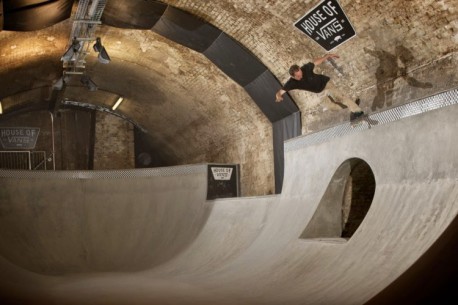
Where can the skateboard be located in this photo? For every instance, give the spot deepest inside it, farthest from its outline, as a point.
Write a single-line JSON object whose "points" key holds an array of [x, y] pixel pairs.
{"points": [[355, 122]]}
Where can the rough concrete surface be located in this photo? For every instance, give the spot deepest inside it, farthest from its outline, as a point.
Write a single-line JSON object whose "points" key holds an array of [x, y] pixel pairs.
{"points": [[155, 240]]}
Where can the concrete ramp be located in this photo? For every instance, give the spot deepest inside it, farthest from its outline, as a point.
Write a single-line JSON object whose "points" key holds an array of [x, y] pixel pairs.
{"points": [[74, 222], [153, 239]]}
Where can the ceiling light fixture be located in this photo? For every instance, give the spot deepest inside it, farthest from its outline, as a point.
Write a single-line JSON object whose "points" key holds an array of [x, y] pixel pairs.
{"points": [[87, 81], [60, 83], [98, 44], [118, 102], [103, 57], [85, 21], [72, 51]]}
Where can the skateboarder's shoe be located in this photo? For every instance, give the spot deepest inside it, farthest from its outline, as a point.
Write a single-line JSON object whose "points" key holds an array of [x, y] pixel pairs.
{"points": [[356, 115]]}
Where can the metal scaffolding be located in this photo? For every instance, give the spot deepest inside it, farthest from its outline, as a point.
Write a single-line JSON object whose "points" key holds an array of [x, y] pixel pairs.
{"points": [[87, 17]]}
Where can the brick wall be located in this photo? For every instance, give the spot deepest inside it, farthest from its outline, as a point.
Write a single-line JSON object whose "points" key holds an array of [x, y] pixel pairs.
{"points": [[403, 50], [415, 44], [114, 143]]}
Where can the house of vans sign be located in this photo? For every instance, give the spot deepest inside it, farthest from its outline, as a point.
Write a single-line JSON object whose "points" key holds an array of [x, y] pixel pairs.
{"points": [[19, 137], [326, 24]]}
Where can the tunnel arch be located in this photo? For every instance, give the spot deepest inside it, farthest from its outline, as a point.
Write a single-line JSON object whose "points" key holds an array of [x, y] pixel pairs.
{"points": [[226, 53], [196, 34], [345, 202]]}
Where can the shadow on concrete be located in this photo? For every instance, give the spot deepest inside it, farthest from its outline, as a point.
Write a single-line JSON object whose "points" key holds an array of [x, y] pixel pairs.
{"points": [[361, 189], [432, 279], [391, 67]]}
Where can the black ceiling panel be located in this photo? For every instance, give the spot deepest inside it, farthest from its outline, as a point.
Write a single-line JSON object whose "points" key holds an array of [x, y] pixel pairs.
{"points": [[234, 60], [133, 14], [35, 15], [12, 5], [186, 29], [263, 90]]}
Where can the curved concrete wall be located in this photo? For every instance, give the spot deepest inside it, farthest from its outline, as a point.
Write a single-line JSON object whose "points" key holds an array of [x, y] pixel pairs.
{"points": [[65, 222], [249, 250]]}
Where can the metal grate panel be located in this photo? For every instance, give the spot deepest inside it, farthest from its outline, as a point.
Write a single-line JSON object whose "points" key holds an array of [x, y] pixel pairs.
{"points": [[15, 160], [437, 101], [109, 174]]}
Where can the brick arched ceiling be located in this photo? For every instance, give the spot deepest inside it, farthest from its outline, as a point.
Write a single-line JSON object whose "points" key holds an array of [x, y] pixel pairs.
{"points": [[403, 50]]}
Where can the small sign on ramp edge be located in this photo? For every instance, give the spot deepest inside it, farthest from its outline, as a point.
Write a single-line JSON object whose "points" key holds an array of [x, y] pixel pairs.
{"points": [[222, 173]]}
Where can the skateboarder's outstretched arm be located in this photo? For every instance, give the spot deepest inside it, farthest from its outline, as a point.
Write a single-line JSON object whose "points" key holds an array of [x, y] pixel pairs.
{"points": [[320, 60], [279, 95]]}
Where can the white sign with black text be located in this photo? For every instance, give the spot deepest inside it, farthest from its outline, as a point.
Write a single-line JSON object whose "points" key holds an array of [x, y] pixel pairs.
{"points": [[222, 173], [326, 24], [19, 137]]}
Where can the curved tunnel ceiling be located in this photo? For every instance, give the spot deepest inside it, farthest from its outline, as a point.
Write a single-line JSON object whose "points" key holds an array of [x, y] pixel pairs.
{"points": [[188, 30], [188, 105], [262, 29], [199, 97]]}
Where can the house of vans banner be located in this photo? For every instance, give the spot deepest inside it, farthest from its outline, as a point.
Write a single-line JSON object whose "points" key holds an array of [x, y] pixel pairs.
{"points": [[223, 181], [19, 137], [326, 24]]}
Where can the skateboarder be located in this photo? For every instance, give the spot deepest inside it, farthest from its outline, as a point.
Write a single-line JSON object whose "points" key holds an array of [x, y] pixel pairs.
{"points": [[303, 78]]}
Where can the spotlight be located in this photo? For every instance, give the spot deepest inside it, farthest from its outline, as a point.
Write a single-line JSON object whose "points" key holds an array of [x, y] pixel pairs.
{"points": [[86, 80], [103, 57], [68, 54], [59, 84], [118, 102], [72, 51], [98, 44]]}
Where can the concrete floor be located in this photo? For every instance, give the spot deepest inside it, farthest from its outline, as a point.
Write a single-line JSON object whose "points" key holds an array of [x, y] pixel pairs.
{"points": [[137, 238]]}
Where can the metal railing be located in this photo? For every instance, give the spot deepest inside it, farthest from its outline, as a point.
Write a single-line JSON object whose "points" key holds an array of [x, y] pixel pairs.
{"points": [[439, 100], [30, 160]]}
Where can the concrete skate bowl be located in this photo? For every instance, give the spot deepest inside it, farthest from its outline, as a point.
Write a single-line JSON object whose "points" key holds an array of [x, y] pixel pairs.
{"points": [[72, 222], [241, 250]]}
